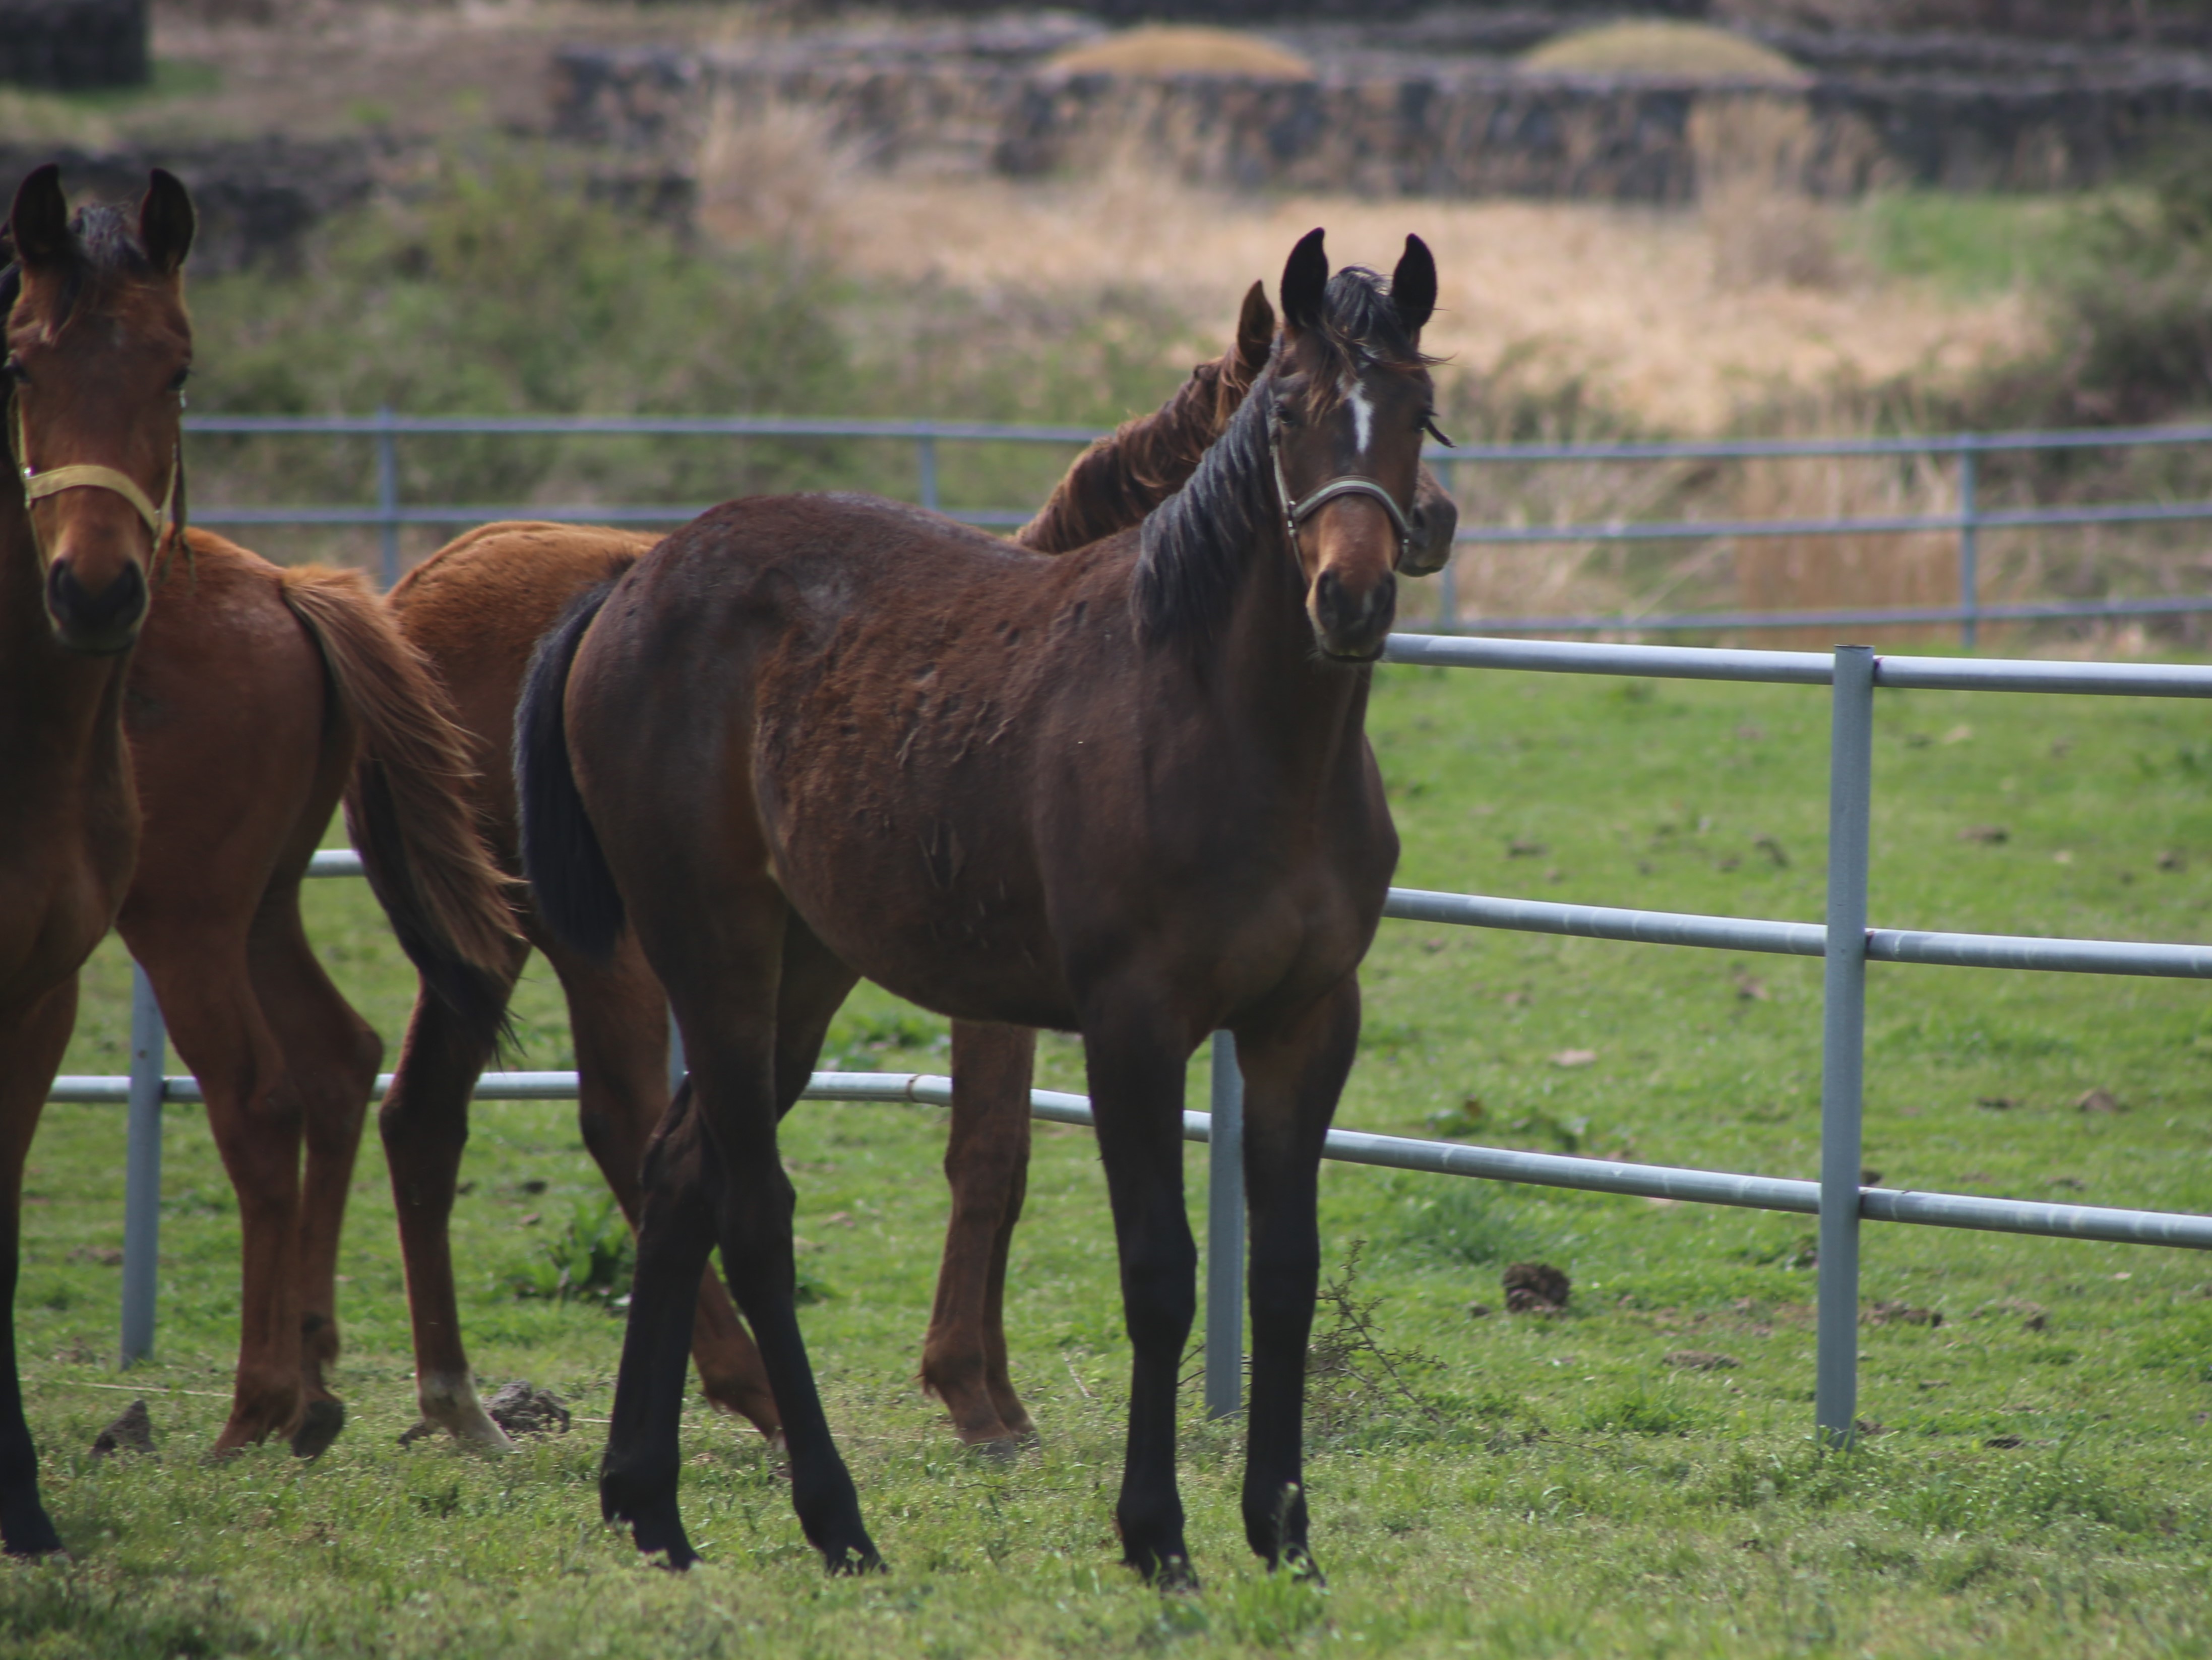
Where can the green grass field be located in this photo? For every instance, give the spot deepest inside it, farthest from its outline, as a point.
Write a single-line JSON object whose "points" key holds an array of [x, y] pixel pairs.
{"points": [[1532, 1485]]}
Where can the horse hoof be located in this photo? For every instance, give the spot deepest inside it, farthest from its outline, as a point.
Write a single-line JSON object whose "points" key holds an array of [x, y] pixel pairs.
{"points": [[846, 1560], [319, 1427], [998, 1448]]}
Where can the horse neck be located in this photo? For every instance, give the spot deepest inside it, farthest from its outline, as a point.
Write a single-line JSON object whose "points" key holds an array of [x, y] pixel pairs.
{"points": [[1309, 711], [1124, 476]]}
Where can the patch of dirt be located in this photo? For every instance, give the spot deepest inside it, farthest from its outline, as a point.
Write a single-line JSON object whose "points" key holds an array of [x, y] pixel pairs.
{"points": [[519, 1409], [2099, 1100], [108, 1256], [133, 1432], [2006, 1442], [1700, 1360], [1536, 1288]]}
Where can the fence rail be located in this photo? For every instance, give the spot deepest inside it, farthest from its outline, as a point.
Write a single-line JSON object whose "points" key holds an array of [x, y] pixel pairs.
{"points": [[389, 514], [1845, 942]]}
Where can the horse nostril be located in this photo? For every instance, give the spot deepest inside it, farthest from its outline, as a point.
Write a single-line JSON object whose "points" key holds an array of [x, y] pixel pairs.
{"points": [[95, 619]]}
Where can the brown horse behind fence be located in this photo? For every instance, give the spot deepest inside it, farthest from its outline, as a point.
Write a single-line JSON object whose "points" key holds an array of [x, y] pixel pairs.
{"points": [[1126, 792]]}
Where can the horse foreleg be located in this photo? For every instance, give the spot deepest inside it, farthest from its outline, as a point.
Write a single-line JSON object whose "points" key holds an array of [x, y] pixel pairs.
{"points": [[32, 1040], [1136, 1068], [964, 1359], [254, 1108], [331, 1056], [619, 1017], [425, 1123], [1293, 1075]]}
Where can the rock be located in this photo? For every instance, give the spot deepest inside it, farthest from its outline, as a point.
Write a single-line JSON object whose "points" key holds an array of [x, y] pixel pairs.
{"points": [[1701, 1360], [1479, 1310], [521, 1410], [1987, 835], [2099, 1100], [1535, 1288], [133, 1432], [1899, 1314]]}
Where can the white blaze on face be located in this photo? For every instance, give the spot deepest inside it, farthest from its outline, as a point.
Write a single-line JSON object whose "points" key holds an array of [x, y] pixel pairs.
{"points": [[1362, 413]]}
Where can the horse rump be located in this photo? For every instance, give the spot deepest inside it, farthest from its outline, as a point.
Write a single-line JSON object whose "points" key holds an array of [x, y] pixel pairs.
{"points": [[574, 891]]}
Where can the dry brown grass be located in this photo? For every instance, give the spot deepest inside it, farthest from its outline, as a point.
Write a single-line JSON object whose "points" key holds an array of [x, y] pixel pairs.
{"points": [[1752, 157], [1629, 298], [774, 171]]}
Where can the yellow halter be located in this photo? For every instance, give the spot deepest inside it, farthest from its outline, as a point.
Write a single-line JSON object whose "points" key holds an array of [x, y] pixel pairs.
{"points": [[38, 484]]}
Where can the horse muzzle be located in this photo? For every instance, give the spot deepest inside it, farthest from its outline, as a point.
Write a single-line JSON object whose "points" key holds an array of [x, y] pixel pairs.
{"points": [[96, 625], [1352, 625]]}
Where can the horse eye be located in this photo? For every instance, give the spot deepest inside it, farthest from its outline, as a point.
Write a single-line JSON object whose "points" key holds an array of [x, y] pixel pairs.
{"points": [[177, 380]]}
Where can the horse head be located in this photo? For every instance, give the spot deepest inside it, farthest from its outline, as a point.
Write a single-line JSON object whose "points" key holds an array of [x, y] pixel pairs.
{"points": [[1351, 398], [98, 348]]}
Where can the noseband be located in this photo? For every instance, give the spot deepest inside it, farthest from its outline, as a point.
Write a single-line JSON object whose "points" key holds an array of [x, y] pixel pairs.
{"points": [[85, 475], [1296, 513]]}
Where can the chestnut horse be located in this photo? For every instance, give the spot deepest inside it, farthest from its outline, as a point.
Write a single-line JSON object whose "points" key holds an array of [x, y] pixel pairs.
{"points": [[253, 692], [1125, 792], [476, 608], [97, 348]]}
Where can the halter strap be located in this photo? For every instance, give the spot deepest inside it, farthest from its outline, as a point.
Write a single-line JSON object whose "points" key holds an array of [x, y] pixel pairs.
{"points": [[1296, 513], [84, 475]]}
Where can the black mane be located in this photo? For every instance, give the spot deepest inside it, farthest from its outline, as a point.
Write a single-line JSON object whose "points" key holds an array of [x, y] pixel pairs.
{"points": [[1196, 544]]}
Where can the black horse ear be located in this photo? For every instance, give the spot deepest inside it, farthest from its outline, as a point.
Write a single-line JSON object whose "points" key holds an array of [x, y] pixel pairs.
{"points": [[1255, 332], [166, 221], [1305, 282], [39, 218], [1414, 285]]}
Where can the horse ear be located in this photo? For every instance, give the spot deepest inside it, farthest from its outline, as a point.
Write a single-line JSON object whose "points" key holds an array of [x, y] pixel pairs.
{"points": [[1255, 332], [39, 218], [166, 221], [1305, 281], [1414, 285]]}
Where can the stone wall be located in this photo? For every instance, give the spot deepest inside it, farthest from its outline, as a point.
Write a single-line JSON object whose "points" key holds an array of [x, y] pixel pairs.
{"points": [[71, 44], [1475, 128]]}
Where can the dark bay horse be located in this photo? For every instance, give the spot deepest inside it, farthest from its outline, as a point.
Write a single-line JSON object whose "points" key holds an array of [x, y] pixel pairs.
{"points": [[1126, 792], [476, 608], [97, 348]]}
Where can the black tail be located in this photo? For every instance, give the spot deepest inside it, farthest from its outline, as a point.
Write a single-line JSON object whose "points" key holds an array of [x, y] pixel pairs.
{"points": [[574, 891]]}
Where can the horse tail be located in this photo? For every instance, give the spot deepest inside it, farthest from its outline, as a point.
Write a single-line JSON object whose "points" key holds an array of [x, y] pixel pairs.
{"points": [[574, 891], [407, 800]]}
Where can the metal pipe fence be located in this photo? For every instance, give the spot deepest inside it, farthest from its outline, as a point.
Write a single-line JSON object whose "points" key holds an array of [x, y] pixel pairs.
{"points": [[389, 514], [1839, 1198]]}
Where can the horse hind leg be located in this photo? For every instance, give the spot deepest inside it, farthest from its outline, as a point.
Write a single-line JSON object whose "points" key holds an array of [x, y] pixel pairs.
{"points": [[619, 1017], [963, 1360], [331, 1056]]}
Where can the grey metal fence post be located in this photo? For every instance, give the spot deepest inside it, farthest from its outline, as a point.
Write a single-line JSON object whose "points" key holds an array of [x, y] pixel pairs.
{"points": [[142, 1178], [387, 494], [1448, 579], [1969, 599], [1224, 1235], [924, 460], [1843, 1041]]}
